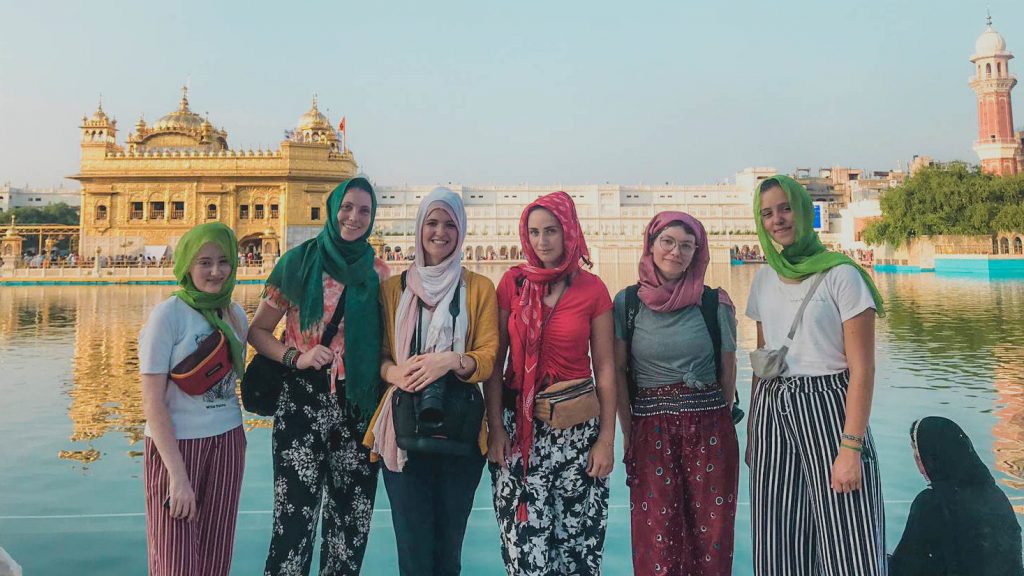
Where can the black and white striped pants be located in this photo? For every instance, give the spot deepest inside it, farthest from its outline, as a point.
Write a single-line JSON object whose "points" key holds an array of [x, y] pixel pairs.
{"points": [[800, 525]]}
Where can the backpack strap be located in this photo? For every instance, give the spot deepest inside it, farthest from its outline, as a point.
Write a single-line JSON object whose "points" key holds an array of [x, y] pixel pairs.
{"points": [[632, 308], [709, 310], [709, 304]]}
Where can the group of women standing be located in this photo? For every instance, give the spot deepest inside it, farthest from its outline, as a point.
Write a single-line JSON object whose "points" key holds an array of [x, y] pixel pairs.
{"points": [[662, 355]]}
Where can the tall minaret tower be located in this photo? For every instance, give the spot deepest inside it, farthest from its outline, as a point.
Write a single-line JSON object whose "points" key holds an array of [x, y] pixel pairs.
{"points": [[997, 146]]}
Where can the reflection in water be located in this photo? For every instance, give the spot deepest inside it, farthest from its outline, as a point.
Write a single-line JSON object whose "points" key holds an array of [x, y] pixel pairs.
{"points": [[964, 336], [956, 340], [1008, 444], [103, 323]]}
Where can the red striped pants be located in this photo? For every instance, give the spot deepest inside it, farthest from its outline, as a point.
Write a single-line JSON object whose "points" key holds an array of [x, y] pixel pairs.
{"points": [[202, 547]]}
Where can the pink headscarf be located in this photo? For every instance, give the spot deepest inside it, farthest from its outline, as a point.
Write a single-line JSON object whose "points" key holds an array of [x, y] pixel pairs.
{"points": [[669, 295]]}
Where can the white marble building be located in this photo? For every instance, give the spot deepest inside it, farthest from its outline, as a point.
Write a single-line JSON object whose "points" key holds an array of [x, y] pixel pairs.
{"points": [[613, 216], [12, 197]]}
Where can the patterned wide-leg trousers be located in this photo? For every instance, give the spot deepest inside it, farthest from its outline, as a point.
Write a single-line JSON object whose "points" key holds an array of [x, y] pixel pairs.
{"points": [[319, 462], [800, 525], [567, 510]]}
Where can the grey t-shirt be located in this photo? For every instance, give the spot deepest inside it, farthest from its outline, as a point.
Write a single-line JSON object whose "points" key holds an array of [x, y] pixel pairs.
{"points": [[673, 347]]}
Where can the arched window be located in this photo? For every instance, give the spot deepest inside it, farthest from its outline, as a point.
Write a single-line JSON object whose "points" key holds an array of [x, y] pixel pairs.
{"points": [[1018, 246], [101, 212], [999, 69], [988, 70], [211, 212]]}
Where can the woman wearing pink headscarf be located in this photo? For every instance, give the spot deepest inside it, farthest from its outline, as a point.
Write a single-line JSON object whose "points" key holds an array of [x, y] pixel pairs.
{"points": [[675, 400]]}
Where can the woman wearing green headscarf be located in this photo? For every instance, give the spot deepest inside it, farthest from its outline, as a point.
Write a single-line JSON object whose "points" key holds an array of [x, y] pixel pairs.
{"points": [[330, 392], [815, 491], [191, 351]]}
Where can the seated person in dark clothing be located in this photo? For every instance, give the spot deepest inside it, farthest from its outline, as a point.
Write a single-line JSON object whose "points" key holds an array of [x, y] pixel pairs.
{"points": [[962, 524]]}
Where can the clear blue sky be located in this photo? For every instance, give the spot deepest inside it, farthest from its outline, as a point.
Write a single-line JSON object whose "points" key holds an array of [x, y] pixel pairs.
{"points": [[489, 92]]}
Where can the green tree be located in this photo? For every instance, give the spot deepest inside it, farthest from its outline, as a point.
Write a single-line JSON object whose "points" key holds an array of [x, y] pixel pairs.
{"points": [[52, 214], [949, 199]]}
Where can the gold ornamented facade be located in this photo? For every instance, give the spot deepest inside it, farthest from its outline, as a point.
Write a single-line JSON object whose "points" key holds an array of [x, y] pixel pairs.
{"points": [[180, 172]]}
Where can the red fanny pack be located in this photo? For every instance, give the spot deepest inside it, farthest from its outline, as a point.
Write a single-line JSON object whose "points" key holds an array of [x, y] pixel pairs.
{"points": [[204, 368]]}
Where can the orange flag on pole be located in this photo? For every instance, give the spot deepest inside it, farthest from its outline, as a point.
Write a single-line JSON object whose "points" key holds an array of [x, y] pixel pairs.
{"points": [[341, 125]]}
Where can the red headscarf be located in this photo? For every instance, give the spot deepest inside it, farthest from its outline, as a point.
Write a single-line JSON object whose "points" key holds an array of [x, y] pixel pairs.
{"points": [[525, 326], [669, 295]]}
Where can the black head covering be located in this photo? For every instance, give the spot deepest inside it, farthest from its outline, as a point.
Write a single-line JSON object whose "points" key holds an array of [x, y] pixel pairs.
{"points": [[964, 520], [948, 455]]}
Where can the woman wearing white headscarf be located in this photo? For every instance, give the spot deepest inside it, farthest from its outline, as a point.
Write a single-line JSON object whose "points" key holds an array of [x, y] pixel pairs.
{"points": [[432, 494]]}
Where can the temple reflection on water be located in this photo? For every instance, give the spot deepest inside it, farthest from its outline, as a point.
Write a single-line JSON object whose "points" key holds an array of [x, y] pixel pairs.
{"points": [[941, 337]]}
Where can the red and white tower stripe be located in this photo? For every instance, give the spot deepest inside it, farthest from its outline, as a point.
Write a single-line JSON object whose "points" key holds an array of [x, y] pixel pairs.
{"points": [[998, 146]]}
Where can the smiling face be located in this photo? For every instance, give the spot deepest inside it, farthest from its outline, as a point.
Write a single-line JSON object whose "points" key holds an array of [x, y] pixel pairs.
{"points": [[672, 250], [546, 236], [210, 269], [777, 216], [439, 235], [354, 214]]}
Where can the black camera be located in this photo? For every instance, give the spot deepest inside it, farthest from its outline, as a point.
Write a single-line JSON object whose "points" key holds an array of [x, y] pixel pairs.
{"points": [[430, 411]]}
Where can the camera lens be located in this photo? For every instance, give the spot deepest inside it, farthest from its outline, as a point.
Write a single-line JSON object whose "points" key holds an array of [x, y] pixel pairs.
{"points": [[431, 414]]}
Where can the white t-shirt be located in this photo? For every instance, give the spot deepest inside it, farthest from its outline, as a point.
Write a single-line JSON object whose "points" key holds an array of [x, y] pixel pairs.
{"points": [[818, 348], [172, 332]]}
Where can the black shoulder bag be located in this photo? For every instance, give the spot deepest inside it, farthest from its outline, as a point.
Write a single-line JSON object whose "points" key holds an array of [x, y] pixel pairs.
{"points": [[446, 416], [264, 377], [708, 310]]}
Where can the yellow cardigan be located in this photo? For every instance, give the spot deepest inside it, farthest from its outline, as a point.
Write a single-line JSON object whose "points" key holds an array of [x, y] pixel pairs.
{"points": [[481, 340]]}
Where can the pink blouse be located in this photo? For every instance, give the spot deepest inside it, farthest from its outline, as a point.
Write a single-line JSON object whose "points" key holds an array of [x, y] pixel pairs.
{"points": [[305, 340]]}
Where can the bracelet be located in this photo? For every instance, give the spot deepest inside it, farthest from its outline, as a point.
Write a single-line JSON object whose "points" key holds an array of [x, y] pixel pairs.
{"points": [[289, 357], [851, 447], [462, 360], [852, 438]]}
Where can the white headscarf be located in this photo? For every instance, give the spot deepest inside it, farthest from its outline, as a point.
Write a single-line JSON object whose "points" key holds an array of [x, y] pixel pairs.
{"points": [[435, 286]]}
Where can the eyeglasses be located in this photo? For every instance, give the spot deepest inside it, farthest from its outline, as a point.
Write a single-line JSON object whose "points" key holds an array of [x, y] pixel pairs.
{"points": [[668, 244]]}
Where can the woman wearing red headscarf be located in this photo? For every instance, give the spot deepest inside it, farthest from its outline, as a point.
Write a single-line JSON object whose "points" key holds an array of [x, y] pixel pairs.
{"points": [[551, 484], [675, 396]]}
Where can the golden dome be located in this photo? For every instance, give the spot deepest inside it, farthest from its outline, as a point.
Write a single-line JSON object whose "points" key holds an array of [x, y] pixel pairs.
{"points": [[314, 119], [181, 119], [99, 116]]}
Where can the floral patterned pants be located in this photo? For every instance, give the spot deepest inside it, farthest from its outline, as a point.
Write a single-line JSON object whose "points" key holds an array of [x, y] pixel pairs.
{"points": [[319, 461], [567, 511]]}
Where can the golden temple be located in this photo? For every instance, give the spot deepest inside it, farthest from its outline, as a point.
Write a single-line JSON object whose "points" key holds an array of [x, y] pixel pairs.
{"points": [[179, 172]]}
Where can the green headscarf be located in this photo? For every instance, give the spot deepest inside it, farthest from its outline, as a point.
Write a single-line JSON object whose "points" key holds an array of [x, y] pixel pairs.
{"points": [[206, 303], [299, 277], [807, 255]]}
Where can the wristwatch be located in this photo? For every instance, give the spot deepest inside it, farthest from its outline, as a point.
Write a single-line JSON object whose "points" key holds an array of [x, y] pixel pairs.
{"points": [[462, 360]]}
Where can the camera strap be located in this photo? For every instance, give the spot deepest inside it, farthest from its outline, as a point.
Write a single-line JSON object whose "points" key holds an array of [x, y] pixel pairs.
{"points": [[454, 309]]}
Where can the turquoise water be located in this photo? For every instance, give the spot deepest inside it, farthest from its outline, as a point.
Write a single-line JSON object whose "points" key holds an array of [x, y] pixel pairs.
{"points": [[71, 421]]}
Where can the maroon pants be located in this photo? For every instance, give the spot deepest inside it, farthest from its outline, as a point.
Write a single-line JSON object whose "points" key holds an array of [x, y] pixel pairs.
{"points": [[682, 469], [202, 547]]}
